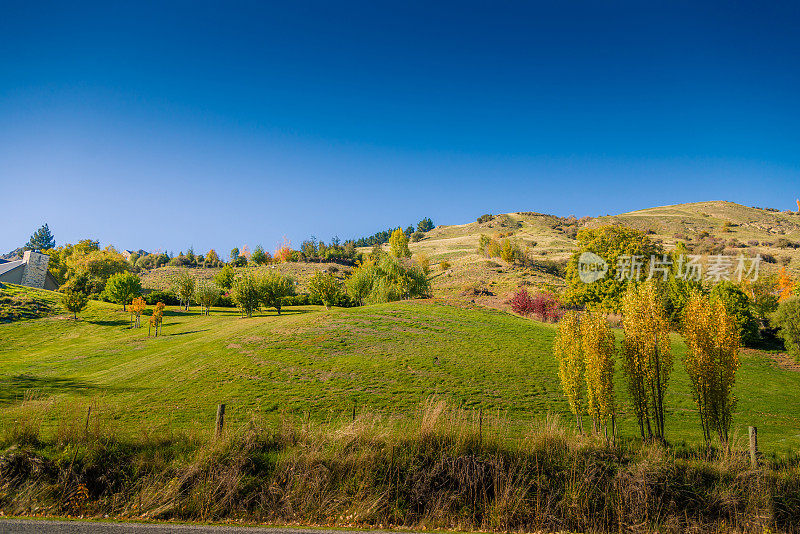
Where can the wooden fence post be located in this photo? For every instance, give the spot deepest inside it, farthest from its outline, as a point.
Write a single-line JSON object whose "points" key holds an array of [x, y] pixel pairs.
{"points": [[220, 423], [480, 427], [753, 431]]}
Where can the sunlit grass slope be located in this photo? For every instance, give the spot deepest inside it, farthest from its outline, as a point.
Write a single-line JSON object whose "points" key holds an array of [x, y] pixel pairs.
{"points": [[382, 359]]}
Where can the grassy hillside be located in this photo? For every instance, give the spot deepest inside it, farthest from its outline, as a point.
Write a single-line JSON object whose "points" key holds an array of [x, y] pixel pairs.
{"points": [[473, 278], [384, 359], [718, 225], [17, 303]]}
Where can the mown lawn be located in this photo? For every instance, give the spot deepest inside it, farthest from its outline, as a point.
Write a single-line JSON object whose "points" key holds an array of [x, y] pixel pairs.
{"points": [[309, 362]]}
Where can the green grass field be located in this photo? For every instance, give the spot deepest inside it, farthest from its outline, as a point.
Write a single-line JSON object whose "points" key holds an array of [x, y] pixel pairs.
{"points": [[384, 359]]}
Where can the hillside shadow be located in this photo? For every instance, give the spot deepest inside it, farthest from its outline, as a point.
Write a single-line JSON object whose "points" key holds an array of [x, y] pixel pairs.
{"points": [[14, 388]]}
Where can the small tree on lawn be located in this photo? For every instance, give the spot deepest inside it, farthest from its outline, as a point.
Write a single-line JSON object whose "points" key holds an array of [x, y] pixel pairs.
{"points": [[138, 305], [185, 290], [325, 287], [206, 295], [245, 293], [74, 301], [712, 358], [569, 353], [157, 319], [121, 288], [274, 288]]}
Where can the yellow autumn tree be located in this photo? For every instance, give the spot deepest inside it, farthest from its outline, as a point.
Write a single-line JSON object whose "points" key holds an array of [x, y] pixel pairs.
{"points": [[647, 356], [711, 361], [784, 285], [597, 342], [569, 353], [138, 305], [157, 319]]}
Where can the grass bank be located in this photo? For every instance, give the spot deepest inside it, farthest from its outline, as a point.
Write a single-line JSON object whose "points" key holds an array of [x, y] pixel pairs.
{"points": [[440, 468]]}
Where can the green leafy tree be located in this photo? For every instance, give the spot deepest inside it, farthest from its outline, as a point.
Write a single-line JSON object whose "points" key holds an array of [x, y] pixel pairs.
{"points": [[387, 279], [360, 282], [738, 305], [325, 287], [787, 319], [206, 295], [184, 289], [99, 264], [234, 255], [41, 239], [246, 294], [274, 288], [612, 244], [224, 278], [425, 225], [121, 288], [678, 290], [259, 257], [398, 245], [211, 258], [74, 301]]}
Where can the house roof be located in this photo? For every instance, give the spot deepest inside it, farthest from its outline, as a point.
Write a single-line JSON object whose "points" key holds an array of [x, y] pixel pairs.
{"points": [[8, 266]]}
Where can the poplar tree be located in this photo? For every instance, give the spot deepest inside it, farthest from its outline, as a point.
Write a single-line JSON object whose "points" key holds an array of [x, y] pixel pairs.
{"points": [[568, 350], [647, 356], [712, 358], [598, 350]]}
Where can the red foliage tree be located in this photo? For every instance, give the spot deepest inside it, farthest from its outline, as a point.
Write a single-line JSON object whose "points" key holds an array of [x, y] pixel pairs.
{"points": [[543, 305]]}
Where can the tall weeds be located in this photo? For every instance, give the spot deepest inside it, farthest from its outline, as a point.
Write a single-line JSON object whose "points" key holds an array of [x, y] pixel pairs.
{"points": [[440, 468]]}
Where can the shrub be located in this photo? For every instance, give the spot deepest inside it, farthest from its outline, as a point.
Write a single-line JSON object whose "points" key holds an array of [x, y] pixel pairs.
{"points": [[521, 302], [224, 278], [787, 319], [444, 265], [486, 217], [206, 294], [387, 279], [245, 293], [167, 297], [325, 287], [542, 305], [738, 305]]}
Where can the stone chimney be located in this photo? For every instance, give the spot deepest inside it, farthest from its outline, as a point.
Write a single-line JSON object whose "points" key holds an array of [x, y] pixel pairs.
{"points": [[35, 269]]}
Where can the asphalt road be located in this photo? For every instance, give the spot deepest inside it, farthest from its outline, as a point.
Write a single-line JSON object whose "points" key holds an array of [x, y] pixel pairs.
{"points": [[27, 526]]}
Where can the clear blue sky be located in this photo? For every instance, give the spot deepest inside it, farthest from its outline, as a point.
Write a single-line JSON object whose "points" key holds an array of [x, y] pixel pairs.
{"points": [[169, 124]]}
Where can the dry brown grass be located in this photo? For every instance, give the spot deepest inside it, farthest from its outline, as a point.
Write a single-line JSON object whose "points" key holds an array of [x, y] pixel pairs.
{"points": [[440, 468]]}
